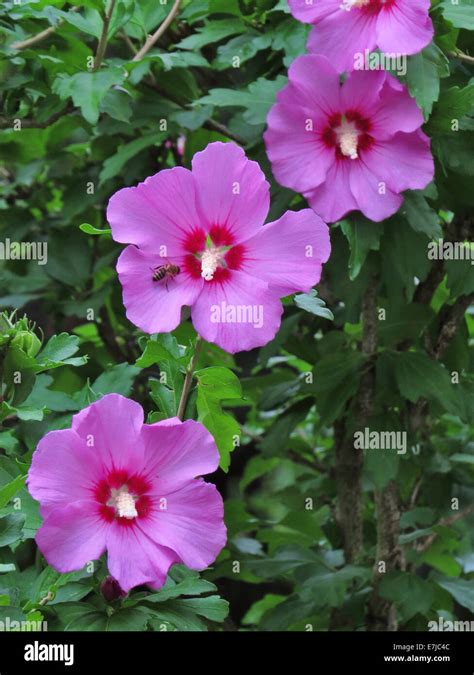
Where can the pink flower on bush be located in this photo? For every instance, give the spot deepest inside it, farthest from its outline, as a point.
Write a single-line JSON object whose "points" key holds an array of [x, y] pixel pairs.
{"points": [[198, 240], [112, 483], [350, 147], [344, 29]]}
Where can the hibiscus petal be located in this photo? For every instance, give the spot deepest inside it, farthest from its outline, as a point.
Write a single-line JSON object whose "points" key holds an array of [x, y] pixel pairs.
{"points": [[153, 306], [404, 162], [311, 12], [111, 426], [361, 91], [158, 214], [133, 558], [192, 524], [374, 203], [405, 27], [344, 37], [288, 253], [232, 190], [175, 454], [72, 536], [238, 314], [63, 469], [300, 159], [314, 83], [396, 111], [333, 199]]}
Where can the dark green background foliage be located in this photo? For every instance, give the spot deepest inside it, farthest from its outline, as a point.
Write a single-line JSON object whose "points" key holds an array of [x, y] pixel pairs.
{"points": [[308, 517]]}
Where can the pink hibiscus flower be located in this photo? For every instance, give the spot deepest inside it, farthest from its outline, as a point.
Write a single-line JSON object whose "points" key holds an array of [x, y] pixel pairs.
{"points": [[344, 29], [350, 147], [198, 241], [112, 483]]}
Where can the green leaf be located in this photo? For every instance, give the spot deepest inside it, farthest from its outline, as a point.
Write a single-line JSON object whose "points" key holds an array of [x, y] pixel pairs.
{"points": [[286, 559], [159, 348], [118, 380], [212, 31], [215, 385], [462, 457], [420, 215], [287, 613], [314, 305], [115, 163], [186, 614], [254, 614], [409, 593], [257, 99], [82, 616], [453, 105], [257, 467], [277, 436], [212, 608], [118, 105], [88, 89], [404, 322], [69, 257], [363, 236], [336, 380], [328, 588], [461, 590], [11, 527], [8, 491], [456, 152], [90, 229], [190, 585], [461, 13], [90, 22], [461, 274], [382, 466], [164, 397], [418, 376], [58, 349], [424, 72]]}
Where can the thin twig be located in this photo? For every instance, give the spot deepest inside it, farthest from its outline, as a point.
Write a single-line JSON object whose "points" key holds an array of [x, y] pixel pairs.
{"points": [[462, 57], [188, 380], [102, 46], [210, 124], [152, 39], [213, 125], [24, 44], [451, 319], [6, 123], [444, 522], [128, 42], [415, 493]]}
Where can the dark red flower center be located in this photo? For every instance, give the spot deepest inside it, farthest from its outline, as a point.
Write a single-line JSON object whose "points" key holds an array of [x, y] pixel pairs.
{"points": [[348, 134], [367, 6], [212, 255], [123, 497]]}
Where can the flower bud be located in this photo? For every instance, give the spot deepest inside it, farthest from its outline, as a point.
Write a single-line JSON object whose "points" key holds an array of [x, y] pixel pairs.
{"points": [[110, 589], [28, 342]]}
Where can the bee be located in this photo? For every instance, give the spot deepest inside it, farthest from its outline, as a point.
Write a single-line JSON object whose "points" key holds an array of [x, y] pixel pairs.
{"points": [[166, 272]]}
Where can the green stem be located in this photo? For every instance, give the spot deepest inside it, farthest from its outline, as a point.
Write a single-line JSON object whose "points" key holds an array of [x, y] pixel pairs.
{"points": [[188, 379]]}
